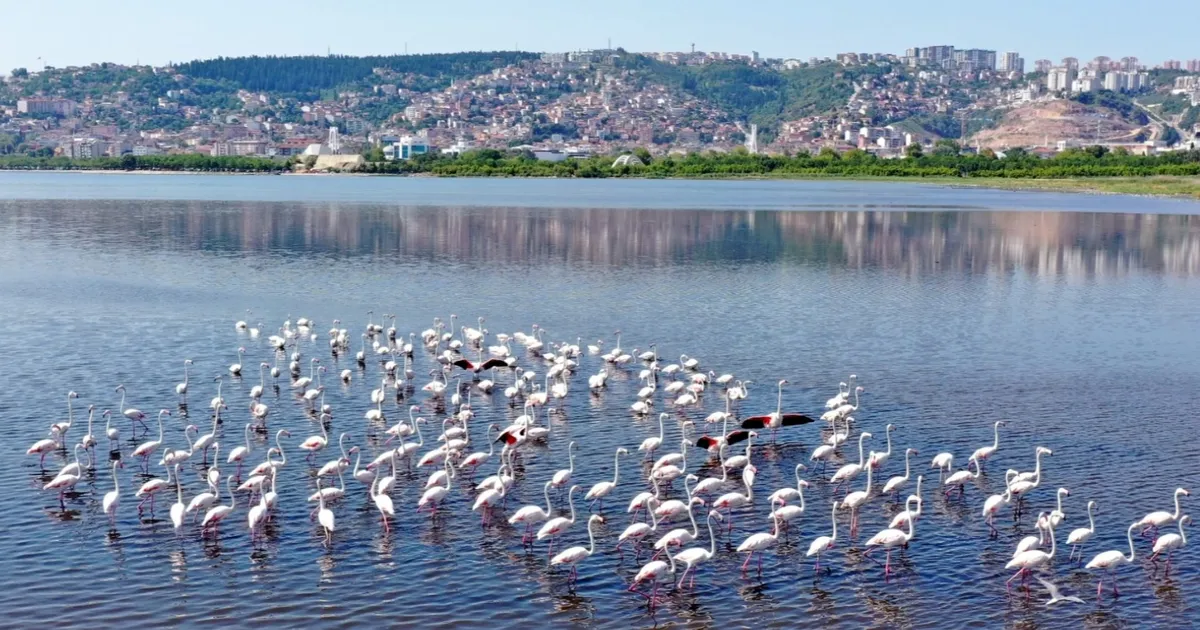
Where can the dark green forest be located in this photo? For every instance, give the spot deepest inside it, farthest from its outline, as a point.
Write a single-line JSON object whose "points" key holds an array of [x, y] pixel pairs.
{"points": [[310, 75]]}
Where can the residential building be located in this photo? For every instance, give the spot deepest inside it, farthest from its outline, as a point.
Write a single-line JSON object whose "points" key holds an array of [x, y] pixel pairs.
{"points": [[1010, 62], [1042, 65], [1085, 84], [1193, 65], [84, 148], [1116, 82], [1071, 63], [1060, 78], [976, 59], [56, 106]]}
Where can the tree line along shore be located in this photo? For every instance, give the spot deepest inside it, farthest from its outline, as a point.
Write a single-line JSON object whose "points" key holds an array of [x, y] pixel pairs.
{"points": [[1089, 163]]}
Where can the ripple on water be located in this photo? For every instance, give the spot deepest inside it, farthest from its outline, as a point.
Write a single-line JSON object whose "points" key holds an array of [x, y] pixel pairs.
{"points": [[952, 320]]}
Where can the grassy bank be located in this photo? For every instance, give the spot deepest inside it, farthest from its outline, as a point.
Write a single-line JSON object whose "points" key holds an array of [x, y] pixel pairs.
{"points": [[1159, 186]]}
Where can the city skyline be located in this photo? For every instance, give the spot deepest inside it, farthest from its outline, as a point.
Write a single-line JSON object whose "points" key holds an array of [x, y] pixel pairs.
{"points": [[146, 32]]}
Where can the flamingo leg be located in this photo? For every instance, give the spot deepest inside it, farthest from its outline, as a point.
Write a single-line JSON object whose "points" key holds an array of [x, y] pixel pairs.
{"points": [[747, 562]]}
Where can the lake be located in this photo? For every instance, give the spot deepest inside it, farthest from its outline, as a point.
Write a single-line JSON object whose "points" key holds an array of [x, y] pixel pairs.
{"points": [[1072, 317]]}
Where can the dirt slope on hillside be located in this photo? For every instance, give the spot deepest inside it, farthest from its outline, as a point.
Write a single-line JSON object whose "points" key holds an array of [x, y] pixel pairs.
{"points": [[1045, 123]]}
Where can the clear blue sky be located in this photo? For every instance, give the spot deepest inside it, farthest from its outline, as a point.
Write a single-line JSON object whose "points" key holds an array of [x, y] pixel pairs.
{"points": [[77, 32]]}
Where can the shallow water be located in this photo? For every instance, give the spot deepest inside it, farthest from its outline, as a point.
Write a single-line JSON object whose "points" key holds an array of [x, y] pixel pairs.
{"points": [[1072, 317]]}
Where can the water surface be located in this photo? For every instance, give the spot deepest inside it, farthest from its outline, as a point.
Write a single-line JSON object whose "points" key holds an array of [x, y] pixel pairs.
{"points": [[1072, 317]]}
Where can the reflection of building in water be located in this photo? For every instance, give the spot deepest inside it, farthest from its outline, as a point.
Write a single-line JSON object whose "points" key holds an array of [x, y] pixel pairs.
{"points": [[913, 242]]}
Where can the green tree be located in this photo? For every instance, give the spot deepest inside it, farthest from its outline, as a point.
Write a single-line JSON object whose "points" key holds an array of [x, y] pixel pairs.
{"points": [[643, 154], [946, 147], [1171, 136], [20, 73], [914, 151], [374, 154]]}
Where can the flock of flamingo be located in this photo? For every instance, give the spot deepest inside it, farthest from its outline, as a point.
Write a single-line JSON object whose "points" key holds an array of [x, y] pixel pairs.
{"points": [[489, 364]]}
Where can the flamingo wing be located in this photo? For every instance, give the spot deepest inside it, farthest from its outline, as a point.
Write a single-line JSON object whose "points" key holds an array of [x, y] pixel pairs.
{"points": [[706, 442], [793, 419], [493, 363], [736, 436], [756, 422], [464, 364]]}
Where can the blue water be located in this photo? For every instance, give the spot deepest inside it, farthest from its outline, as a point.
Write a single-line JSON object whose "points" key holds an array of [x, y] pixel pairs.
{"points": [[1072, 317]]}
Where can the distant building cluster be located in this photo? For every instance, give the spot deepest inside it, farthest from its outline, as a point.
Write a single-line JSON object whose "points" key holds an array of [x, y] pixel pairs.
{"points": [[965, 60], [1122, 75]]}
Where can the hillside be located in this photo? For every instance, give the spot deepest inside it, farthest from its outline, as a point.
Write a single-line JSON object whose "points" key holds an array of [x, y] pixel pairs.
{"points": [[1034, 123], [759, 94], [307, 76]]}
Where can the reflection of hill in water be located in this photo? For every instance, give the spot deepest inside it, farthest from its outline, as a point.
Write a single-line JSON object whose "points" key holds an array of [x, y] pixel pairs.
{"points": [[1051, 243]]}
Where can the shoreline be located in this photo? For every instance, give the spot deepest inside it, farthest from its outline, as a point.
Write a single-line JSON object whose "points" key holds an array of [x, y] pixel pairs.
{"points": [[1169, 186]]}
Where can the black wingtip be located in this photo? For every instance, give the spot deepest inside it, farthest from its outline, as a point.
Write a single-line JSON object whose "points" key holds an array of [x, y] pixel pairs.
{"points": [[793, 419], [754, 423]]}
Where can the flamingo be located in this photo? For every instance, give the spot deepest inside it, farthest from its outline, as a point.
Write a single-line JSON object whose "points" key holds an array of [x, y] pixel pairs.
{"points": [[239, 454], [217, 400], [1081, 535], [650, 444], [642, 499], [850, 471], [177, 508], [823, 543], [992, 505], [783, 495], [43, 448], [150, 489], [531, 515], [603, 488], [563, 477], [66, 480], [1155, 520], [146, 449], [134, 415], [1026, 561], [201, 502], [652, 572], [340, 463], [478, 458], [837, 401], [758, 543], [89, 439], [314, 443], [1036, 475], [256, 392], [1033, 542], [113, 497], [574, 555], [236, 368], [984, 452], [1057, 516], [889, 539], [1110, 561], [324, 515], [181, 389], [431, 497], [489, 498], [383, 503], [734, 500], [113, 433], [894, 484], [205, 441], [880, 459], [258, 514], [1170, 542], [787, 513], [961, 478], [636, 532], [555, 527], [777, 418], [679, 536], [899, 520], [693, 556], [856, 500]]}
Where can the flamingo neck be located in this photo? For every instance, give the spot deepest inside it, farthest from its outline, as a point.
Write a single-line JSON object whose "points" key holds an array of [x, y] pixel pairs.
{"points": [[546, 493], [833, 518], [591, 538]]}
